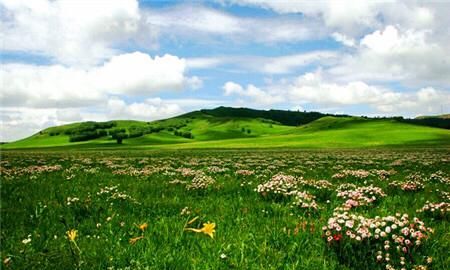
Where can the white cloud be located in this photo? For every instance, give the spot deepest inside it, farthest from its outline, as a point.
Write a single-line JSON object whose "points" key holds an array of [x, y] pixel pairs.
{"points": [[58, 86], [389, 39], [338, 14], [347, 41], [199, 22], [312, 88], [17, 123], [194, 82], [205, 62], [391, 55], [353, 18], [139, 73], [232, 88], [150, 109], [254, 93], [287, 64], [196, 18], [269, 65], [79, 33]]}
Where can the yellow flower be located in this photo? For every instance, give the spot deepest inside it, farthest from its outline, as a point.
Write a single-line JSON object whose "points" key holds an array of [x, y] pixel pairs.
{"points": [[134, 240], [72, 234], [208, 228], [143, 226]]}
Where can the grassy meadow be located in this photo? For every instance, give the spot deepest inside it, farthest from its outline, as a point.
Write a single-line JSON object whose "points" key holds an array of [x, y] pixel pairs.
{"points": [[209, 132], [246, 209]]}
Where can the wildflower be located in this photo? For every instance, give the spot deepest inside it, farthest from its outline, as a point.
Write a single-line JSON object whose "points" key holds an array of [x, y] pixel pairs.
{"points": [[143, 226], [337, 237], [26, 240], [7, 261], [72, 234], [208, 228], [223, 256]]}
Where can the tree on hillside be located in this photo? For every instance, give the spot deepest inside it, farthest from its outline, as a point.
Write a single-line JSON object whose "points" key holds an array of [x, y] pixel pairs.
{"points": [[119, 137]]}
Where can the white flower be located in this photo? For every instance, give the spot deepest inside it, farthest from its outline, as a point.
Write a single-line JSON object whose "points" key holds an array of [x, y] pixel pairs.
{"points": [[26, 240], [387, 229]]}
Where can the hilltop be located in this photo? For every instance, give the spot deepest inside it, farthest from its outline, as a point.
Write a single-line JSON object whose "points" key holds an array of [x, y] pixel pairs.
{"points": [[240, 128]]}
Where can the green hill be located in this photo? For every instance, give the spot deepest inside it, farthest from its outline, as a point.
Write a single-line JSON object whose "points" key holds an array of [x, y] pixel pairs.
{"points": [[239, 128], [442, 116]]}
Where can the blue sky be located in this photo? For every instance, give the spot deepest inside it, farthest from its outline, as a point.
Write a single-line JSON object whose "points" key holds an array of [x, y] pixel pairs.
{"points": [[66, 61]]}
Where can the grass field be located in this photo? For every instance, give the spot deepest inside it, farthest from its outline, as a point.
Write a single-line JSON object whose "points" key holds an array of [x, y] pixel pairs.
{"points": [[147, 209], [225, 132]]}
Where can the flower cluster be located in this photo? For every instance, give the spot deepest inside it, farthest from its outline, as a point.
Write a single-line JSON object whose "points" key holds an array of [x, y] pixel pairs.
{"points": [[187, 172], [444, 195], [113, 193], [201, 181], [409, 185], [317, 184], [394, 238], [439, 176], [244, 172], [279, 185], [303, 199], [354, 173], [360, 196], [131, 171], [441, 208], [383, 174], [216, 169], [72, 200]]}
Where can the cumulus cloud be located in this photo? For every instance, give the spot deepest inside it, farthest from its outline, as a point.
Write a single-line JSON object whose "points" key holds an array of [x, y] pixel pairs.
{"points": [[149, 109], [79, 33], [17, 123], [393, 55], [58, 86], [312, 88], [139, 73], [254, 93]]}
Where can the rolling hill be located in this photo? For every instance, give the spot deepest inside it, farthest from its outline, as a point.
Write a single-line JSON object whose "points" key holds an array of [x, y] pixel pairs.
{"points": [[239, 128]]}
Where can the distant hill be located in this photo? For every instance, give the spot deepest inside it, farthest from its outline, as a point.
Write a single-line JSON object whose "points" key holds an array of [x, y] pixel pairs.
{"points": [[239, 128], [442, 116], [440, 121], [289, 118]]}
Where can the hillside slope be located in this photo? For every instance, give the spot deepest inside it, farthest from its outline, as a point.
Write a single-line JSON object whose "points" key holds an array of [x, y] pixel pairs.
{"points": [[332, 132], [200, 126], [208, 131]]}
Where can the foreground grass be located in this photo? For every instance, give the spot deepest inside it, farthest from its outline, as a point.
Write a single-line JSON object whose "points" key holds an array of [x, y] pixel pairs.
{"points": [[37, 203]]}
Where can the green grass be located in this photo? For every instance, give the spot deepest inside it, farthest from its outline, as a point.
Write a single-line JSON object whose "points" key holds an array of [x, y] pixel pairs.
{"points": [[251, 231], [226, 132]]}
